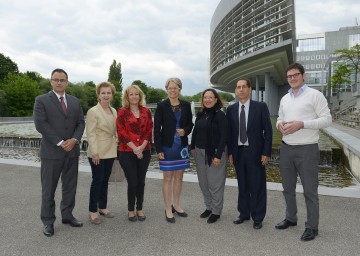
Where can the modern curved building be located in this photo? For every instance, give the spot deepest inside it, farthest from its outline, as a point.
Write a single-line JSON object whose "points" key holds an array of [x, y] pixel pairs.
{"points": [[253, 39]]}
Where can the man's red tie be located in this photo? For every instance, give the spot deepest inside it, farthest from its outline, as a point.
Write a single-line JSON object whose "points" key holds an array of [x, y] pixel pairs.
{"points": [[63, 105]]}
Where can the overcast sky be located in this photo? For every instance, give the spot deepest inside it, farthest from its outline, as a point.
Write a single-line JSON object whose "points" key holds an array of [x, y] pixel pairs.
{"points": [[153, 39]]}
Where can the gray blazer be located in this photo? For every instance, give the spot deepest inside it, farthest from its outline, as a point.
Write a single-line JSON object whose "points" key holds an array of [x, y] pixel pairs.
{"points": [[54, 125]]}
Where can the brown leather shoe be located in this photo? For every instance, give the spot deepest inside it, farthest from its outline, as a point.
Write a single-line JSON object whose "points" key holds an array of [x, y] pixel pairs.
{"points": [[95, 221], [107, 215]]}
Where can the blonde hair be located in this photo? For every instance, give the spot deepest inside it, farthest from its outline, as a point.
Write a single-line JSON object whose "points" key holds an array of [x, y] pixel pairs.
{"points": [[104, 85], [125, 97]]}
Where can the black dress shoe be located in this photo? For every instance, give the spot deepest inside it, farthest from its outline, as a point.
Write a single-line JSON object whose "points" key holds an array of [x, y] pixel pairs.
{"points": [[257, 225], [73, 222], [170, 220], [132, 218], [240, 220], [181, 214], [141, 217], [48, 230], [285, 224], [205, 214], [213, 218], [309, 234]]}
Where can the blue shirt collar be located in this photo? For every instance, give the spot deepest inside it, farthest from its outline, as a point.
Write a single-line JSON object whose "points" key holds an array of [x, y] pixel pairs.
{"points": [[301, 90]]}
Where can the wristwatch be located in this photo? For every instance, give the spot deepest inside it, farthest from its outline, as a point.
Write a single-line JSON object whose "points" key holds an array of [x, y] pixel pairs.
{"points": [[76, 141]]}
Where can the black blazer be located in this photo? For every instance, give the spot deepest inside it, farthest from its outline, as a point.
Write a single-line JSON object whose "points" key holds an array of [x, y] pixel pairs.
{"points": [[165, 124], [219, 132], [259, 130]]}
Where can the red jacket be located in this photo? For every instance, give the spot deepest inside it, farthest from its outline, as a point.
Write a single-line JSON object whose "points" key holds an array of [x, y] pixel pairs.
{"points": [[131, 129]]}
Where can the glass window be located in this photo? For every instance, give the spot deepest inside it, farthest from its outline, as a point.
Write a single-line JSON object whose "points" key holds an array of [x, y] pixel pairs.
{"points": [[311, 44]]}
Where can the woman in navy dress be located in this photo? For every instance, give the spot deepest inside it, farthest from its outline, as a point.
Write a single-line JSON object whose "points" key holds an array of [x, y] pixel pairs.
{"points": [[172, 124]]}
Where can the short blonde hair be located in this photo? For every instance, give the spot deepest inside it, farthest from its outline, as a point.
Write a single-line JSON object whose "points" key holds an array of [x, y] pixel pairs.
{"points": [[104, 85], [125, 97]]}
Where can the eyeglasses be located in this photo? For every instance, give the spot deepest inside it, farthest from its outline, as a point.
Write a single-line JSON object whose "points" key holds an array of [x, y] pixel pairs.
{"points": [[59, 80], [172, 89], [296, 75]]}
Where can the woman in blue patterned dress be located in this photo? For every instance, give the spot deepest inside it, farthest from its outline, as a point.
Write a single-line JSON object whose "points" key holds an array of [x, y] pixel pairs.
{"points": [[172, 124]]}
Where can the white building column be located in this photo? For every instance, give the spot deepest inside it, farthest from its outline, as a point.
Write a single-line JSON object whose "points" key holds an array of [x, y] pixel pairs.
{"points": [[257, 88]]}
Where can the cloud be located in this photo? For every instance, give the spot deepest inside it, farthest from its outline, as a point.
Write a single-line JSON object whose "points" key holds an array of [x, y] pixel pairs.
{"points": [[322, 16], [153, 39]]}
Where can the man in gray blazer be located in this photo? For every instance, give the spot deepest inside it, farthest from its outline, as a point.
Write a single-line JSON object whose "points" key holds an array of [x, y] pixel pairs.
{"points": [[59, 118]]}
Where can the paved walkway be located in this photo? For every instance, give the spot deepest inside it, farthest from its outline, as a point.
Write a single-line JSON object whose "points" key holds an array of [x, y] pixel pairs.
{"points": [[21, 228]]}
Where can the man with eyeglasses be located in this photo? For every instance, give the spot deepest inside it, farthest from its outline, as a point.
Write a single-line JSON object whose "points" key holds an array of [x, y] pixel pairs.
{"points": [[59, 118], [303, 112]]}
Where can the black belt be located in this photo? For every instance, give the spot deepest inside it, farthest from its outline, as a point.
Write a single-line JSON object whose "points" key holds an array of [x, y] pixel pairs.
{"points": [[283, 142], [243, 146]]}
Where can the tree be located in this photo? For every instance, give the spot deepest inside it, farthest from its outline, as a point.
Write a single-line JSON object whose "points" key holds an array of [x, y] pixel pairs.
{"points": [[7, 66], [20, 92], [155, 95], [341, 76], [85, 93], [34, 76], [351, 59], [226, 97], [3, 104], [142, 86], [115, 75]]}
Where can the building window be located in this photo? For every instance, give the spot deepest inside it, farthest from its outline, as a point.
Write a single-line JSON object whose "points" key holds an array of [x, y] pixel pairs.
{"points": [[354, 39], [311, 44]]}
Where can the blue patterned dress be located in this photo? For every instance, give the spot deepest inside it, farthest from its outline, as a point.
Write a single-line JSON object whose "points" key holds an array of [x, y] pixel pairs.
{"points": [[177, 156]]}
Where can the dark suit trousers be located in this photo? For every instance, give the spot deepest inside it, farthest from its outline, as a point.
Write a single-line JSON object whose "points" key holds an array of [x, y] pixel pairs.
{"points": [[51, 170], [99, 184], [251, 177], [135, 172]]}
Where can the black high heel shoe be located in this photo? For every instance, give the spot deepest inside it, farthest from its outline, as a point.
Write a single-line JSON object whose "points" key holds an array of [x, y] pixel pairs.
{"points": [[170, 220], [181, 214]]}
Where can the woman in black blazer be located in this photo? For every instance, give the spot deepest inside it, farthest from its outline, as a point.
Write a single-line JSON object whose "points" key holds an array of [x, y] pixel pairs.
{"points": [[172, 124]]}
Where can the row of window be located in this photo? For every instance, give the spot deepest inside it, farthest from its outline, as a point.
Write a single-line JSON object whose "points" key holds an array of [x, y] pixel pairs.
{"points": [[312, 57]]}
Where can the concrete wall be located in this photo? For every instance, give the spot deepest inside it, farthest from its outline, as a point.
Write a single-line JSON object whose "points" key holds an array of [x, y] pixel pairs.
{"points": [[350, 146]]}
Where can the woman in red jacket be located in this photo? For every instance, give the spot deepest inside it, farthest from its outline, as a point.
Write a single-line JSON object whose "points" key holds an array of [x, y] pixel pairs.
{"points": [[134, 126]]}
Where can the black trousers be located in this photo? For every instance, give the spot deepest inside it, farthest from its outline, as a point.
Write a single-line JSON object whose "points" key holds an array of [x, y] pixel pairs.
{"points": [[99, 184], [251, 177], [51, 170], [135, 172]]}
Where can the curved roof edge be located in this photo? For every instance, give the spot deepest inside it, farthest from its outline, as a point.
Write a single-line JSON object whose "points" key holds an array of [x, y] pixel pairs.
{"points": [[223, 9], [273, 60]]}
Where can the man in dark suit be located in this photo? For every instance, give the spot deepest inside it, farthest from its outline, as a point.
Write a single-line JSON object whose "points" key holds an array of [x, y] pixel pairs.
{"points": [[250, 142], [60, 120]]}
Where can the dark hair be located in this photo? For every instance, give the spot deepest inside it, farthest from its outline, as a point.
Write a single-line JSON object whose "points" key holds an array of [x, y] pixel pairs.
{"points": [[248, 82], [296, 66], [59, 70], [219, 102]]}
